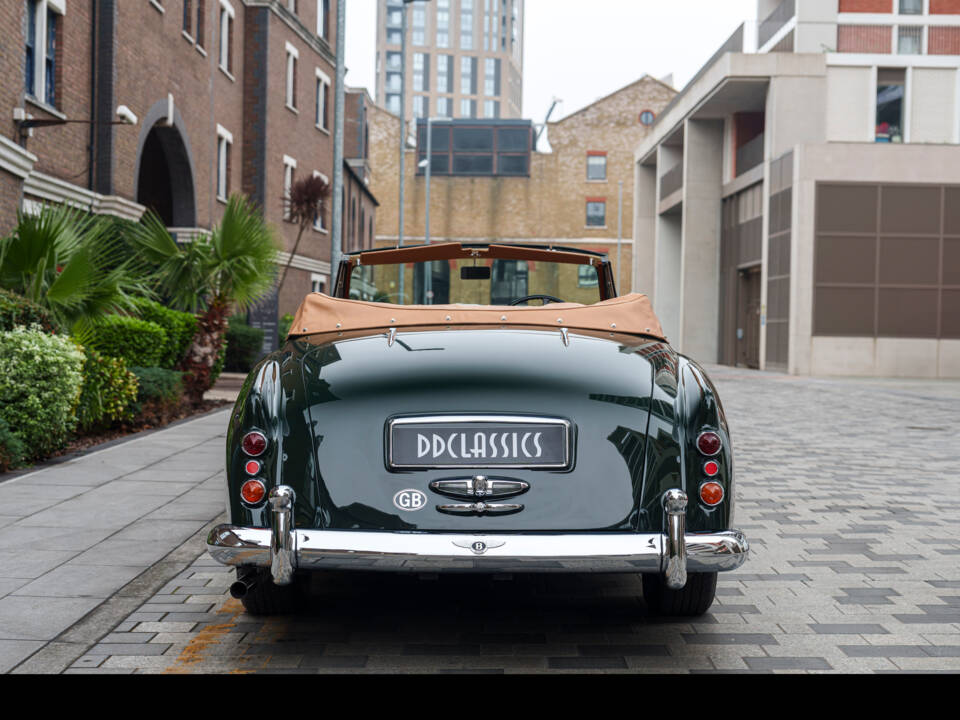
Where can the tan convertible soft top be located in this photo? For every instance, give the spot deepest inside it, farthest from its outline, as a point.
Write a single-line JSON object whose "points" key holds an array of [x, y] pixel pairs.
{"points": [[320, 313]]}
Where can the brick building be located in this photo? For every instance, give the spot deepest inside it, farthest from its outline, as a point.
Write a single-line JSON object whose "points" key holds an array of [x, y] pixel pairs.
{"points": [[798, 201], [567, 194], [230, 96]]}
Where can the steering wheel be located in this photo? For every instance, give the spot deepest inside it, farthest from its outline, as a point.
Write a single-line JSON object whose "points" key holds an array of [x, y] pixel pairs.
{"points": [[546, 299]]}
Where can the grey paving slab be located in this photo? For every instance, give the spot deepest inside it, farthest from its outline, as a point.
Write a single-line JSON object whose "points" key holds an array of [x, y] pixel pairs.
{"points": [[13, 652], [29, 563], [25, 618], [80, 581]]}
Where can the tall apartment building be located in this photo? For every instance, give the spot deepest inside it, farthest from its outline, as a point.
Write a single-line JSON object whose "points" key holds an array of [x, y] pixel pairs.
{"points": [[798, 206], [464, 58], [230, 96]]}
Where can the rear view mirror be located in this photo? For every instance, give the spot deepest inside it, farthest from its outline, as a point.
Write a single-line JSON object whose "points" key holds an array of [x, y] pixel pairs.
{"points": [[475, 272]]}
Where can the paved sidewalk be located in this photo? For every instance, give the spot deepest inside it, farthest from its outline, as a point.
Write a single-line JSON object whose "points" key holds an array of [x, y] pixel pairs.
{"points": [[73, 534]]}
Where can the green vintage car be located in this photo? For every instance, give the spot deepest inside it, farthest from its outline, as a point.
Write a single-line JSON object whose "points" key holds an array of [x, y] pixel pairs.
{"points": [[487, 407]]}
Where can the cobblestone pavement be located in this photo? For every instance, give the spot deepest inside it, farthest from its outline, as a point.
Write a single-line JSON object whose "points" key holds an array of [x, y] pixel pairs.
{"points": [[846, 489]]}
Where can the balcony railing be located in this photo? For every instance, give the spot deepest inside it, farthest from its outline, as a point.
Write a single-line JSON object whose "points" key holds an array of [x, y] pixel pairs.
{"points": [[671, 181], [776, 20], [750, 155]]}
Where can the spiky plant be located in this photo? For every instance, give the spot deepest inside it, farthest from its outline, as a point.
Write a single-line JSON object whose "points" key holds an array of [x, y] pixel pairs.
{"points": [[212, 277], [306, 202]]}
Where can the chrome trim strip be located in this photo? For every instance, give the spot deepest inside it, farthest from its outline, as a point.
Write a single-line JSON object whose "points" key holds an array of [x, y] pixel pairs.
{"points": [[675, 551], [432, 552], [481, 418]]}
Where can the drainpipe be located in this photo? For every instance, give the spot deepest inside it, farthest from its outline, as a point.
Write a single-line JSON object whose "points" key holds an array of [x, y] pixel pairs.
{"points": [[92, 149]]}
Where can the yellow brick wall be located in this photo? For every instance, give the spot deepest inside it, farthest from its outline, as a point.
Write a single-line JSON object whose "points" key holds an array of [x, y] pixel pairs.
{"points": [[548, 206]]}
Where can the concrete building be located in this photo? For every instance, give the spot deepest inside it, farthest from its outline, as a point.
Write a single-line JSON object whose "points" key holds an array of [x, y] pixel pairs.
{"points": [[797, 205], [464, 58], [488, 183], [230, 96]]}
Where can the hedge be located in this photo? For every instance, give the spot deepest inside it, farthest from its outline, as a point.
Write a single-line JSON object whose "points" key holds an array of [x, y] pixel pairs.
{"points": [[138, 342], [158, 384], [12, 449], [16, 310], [244, 345], [40, 382], [179, 326], [109, 391]]}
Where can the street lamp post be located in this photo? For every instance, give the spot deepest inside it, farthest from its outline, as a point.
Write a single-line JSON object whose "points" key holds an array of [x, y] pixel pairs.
{"points": [[336, 230], [619, 231]]}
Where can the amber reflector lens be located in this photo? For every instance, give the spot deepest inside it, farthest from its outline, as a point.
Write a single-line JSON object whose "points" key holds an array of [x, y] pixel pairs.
{"points": [[711, 468], [252, 491], [254, 443], [709, 443], [711, 493], [253, 467]]}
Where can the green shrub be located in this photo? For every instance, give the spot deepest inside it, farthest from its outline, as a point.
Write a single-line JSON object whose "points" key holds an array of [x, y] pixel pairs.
{"points": [[139, 342], [284, 326], [179, 326], [244, 345], [12, 450], [158, 384], [40, 380], [109, 391], [17, 310]]}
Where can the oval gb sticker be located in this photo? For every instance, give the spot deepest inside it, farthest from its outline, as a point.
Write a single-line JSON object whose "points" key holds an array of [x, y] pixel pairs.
{"points": [[410, 500]]}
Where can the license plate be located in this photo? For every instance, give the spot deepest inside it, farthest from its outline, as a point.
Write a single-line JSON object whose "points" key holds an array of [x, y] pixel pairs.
{"points": [[478, 441]]}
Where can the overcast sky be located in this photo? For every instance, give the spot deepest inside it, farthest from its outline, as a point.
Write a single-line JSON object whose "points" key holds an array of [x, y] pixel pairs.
{"points": [[581, 50]]}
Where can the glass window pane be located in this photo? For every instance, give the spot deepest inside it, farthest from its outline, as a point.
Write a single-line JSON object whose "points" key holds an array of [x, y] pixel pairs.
{"points": [[596, 167], [473, 139], [517, 139], [512, 164], [596, 214], [473, 164]]}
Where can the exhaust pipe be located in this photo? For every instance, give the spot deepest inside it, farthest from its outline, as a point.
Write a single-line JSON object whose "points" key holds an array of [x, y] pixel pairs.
{"points": [[241, 587]]}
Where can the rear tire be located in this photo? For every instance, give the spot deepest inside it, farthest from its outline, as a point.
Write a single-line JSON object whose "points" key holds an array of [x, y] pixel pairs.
{"points": [[266, 598], [693, 599]]}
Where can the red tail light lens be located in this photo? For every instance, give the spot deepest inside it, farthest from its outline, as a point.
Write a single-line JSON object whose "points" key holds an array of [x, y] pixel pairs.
{"points": [[253, 492], [711, 493], [252, 467], [711, 468], [254, 443], [709, 443]]}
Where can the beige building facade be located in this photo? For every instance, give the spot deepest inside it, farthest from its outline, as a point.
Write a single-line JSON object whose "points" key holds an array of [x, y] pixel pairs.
{"points": [[567, 194], [796, 204]]}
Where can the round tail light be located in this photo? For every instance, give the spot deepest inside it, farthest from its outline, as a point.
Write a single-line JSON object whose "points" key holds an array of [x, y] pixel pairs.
{"points": [[709, 443], [252, 467], [253, 492], [711, 493], [711, 468], [254, 443]]}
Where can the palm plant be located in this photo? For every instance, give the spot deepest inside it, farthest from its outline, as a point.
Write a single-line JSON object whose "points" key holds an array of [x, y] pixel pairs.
{"points": [[73, 264], [212, 277], [304, 205]]}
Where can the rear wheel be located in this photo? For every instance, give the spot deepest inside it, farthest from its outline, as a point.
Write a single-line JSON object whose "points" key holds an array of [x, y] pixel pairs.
{"points": [[263, 597], [693, 599]]}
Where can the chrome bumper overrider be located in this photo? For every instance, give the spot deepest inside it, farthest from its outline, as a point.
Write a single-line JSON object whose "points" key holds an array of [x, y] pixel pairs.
{"points": [[284, 549]]}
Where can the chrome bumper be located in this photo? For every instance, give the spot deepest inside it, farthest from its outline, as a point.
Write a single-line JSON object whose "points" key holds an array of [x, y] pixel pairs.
{"points": [[458, 552]]}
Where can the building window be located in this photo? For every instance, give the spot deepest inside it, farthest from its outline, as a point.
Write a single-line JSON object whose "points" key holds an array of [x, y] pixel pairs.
{"points": [[444, 67], [468, 108], [292, 57], [647, 117], [292, 6], [466, 24], [318, 283], [443, 23], [394, 61], [319, 221], [289, 166], [467, 86], [394, 18], [911, 7], [394, 37], [419, 25], [43, 29], [491, 109], [890, 94], [420, 61], [321, 110], [393, 81], [421, 106], [490, 77], [323, 19], [475, 148], [597, 213], [596, 166], [443, 107], [910, 40], [587, 276], [201, 23], [226, 36], [188, 17], [393, 104], [224, 143]]}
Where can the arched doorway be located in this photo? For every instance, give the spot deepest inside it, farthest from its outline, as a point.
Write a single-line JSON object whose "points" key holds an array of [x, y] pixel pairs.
{"points": [[165, 180]]}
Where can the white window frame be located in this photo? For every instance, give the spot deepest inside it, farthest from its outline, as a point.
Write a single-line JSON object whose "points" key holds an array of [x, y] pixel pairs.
{"points": [[323, 7], [293, 56], [320, 101], [59, 7], [289, 165], [227, 16], [319, 226], [224, 143], [316, 279]]}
